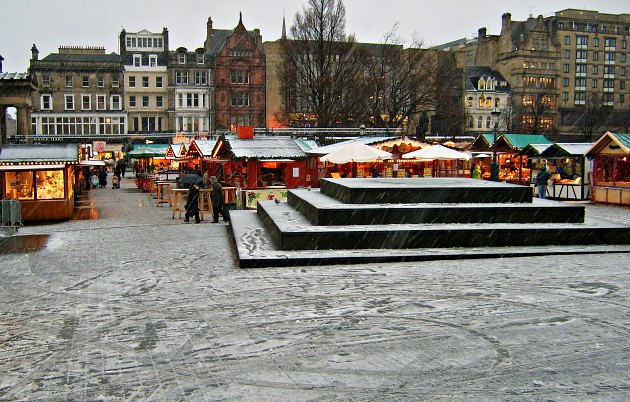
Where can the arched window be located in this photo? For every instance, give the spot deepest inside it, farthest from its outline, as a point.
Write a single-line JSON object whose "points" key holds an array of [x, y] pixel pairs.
{"points": [[471, 122], [490, 84], [481, 85], [488, 121], [479, 121]]}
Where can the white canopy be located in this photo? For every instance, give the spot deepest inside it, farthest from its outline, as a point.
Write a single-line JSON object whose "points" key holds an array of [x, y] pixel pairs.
{"points": [[355, 152], [437, 152]]}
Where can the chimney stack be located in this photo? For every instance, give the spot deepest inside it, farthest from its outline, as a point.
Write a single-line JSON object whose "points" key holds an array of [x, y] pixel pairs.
{"points": [[208, 43], [481, 34], [34, 53]]}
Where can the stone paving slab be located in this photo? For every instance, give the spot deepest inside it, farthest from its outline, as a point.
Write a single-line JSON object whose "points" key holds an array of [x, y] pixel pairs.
{"points": [[136, 305]]}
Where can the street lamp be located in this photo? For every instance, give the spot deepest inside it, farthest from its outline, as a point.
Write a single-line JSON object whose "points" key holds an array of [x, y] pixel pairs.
{"points": [[494, 168]]}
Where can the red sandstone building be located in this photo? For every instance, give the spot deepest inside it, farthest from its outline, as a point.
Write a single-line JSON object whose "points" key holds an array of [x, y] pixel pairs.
{"points": [[239, 76]]}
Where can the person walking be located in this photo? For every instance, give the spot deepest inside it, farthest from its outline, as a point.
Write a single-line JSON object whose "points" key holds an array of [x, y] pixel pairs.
{"points": [[192, 204], [476, 172], [541, 182], [217, 200]]}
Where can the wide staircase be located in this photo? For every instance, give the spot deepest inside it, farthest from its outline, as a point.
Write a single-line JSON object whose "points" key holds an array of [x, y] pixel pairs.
{"points": [[415, 219]]}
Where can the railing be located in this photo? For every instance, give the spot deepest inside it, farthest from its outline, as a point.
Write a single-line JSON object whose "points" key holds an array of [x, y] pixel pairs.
{"points": [[10, 215]]}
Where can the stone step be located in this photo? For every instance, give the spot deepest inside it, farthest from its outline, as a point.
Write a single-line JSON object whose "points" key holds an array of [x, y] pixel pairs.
{"points": [[320, 209], [424, 190], [255, 248], [290, 230]]}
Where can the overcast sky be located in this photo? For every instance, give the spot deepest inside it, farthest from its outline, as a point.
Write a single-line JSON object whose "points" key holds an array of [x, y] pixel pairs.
{"points": [[53, 23]]}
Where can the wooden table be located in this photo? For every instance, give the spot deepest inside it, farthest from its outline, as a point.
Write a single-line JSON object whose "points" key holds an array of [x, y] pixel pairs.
{"points": [[179, 203], [163, 189]]}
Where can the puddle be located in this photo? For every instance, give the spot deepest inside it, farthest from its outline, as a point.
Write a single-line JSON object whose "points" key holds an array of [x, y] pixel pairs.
{"points": [[87, 212], [22, 244]]}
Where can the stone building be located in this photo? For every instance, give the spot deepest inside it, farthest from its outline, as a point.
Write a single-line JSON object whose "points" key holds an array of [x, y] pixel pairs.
{"points": [[487, 99], [190, 92], [79, 93], [15, 91], [145, 57], [239, 72], [563, 70]]}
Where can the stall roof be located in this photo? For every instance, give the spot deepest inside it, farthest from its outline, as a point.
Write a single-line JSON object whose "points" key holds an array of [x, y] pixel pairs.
{"points": [[567, 149], [40, 153], [202, 147], [364, 140], [611, 144], [148, 150], [520, 141], [534, 149], [262, 147]]}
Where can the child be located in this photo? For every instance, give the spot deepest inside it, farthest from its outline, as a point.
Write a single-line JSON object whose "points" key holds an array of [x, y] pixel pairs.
{"points": [[115, 182]]}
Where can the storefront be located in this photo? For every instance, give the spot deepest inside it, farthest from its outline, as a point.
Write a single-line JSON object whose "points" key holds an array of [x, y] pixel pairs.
{"points": [[611, 169], [264, 163], [514, 166], [42, 178], [569, 170]]}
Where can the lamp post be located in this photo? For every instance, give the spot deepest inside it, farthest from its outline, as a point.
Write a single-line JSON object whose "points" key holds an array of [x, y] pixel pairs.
{"points": [[494, 168]]}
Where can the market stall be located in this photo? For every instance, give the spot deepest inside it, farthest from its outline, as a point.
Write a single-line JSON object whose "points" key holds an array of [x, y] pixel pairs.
{"points": [[569, 169], [41, 177], [147, 159], [513, 165], [263, 163], [445, 160], [611, 169]]}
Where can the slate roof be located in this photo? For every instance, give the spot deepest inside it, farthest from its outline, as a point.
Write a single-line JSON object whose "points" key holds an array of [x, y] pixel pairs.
{"points": [[14, 76], [58, 153], [264, 147], [57, 57], [520, 141], [220, 36], [474, 73]]}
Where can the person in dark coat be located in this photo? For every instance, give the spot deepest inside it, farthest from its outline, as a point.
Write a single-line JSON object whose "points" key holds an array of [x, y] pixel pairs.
{"points": [[102, 178], [217, 200], [192, 204], [541, 182]]}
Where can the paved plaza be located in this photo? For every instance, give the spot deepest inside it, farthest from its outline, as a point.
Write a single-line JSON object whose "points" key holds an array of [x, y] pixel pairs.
{"points": [[136, 305]]}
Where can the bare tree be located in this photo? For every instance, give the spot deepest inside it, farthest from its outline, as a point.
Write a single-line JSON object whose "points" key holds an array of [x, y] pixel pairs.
{"points": [[593, 117], [532, 114], [322, 66], [447, 90]]}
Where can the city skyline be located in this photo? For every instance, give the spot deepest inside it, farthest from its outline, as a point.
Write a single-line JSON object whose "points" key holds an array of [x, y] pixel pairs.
{"points": [[186, 25]]}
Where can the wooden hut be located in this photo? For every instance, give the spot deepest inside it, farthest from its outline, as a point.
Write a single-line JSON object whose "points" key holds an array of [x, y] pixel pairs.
{"points": [[611, 169]]}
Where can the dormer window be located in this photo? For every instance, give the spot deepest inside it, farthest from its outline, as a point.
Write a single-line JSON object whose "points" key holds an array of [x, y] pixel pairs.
{"points": [[152, 60], [181, 58], [201, 58], [137, 60], [481, 85]]}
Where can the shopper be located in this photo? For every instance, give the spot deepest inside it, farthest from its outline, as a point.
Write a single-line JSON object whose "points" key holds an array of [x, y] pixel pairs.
{"points": [[217, 201], [541, 182], [192, 204]]}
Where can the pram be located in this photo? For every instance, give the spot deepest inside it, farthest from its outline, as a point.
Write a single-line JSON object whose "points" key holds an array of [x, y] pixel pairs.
{"points": [[115, 182]]}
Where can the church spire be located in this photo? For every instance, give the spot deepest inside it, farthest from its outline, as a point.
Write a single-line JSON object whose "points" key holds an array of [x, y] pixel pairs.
{"points": [[284, 29]]}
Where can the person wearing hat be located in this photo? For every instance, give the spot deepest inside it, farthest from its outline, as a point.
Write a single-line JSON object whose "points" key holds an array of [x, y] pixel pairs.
{"points": [[217, 200]]}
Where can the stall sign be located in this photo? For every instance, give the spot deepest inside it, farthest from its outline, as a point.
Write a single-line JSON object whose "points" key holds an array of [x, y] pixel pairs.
{"points": [[99, 146], [253, 196]]}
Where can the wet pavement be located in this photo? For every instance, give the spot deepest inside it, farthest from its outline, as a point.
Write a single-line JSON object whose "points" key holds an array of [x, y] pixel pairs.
{"points": [[135, 305]]}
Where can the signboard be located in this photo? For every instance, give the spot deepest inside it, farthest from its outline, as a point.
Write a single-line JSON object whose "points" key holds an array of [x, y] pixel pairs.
{"points": [[252, 196], [98, 146]]}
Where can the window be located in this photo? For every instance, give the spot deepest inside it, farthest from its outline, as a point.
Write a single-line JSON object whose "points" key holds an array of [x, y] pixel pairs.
{"points": [[132, 81], [595, 55], [239, 99], [69, 102], [580, 69], [609, 99], [46, 102], [567, 54], [137, 60], [622, 98], [242, 77], [609, 71], [609, 84], [201, 78], [68, 81], [100, 81], [201, 58], [145, 82], [610, 43], [181, 58], [565, 82], [159, 101], [132, 101], [469, 101], [581, 54], [623, 57], [624, 44], [580, 84], [86, 102], [100, 102], [86, 81], [622, 84], [594, 83], [145, 101], [609, 57], [595, 70], [565, 96], [582, 41], [565, 68], [152, 60], [45, 80], [115, 102], [479, 122], [567, 40], [580, 98], [115, 81], [488, 121], [622, 71], [596, 42], [158, 82], [181, 77]]}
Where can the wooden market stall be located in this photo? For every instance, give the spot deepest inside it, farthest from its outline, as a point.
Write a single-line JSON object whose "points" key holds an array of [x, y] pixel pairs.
{"points": [[570, 180], [41, 177], [611, 169], [513, 165], [147, 159], [263, 167]]}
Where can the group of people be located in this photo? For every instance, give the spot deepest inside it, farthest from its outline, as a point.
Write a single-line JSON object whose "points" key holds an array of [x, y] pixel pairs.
{"points": [[216, 198]]}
